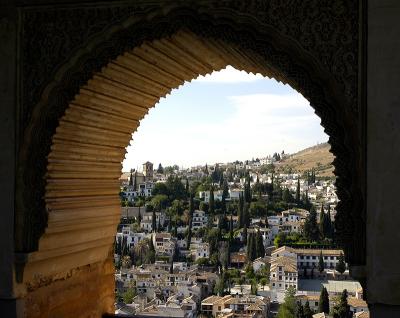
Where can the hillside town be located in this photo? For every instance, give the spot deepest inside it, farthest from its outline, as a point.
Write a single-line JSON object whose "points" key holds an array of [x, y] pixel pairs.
{"points": [[240, 239]]}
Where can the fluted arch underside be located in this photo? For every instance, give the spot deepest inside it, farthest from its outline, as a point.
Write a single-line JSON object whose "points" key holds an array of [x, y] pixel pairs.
{"points": [[89, 145]]}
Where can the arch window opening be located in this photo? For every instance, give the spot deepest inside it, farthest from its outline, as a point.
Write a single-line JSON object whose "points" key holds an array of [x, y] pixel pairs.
{"points": [[88, 219], [226, 188]]}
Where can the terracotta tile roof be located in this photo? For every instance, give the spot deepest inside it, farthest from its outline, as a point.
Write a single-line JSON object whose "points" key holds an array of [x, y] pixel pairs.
{"points": [[355, 302], [211, 300], [238, 257], [363, 314], [316, 252], [288, 263], [308, 297], [254, 307]]}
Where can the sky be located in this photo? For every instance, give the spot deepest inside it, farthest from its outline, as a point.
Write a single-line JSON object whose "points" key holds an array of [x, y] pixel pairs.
{"points": [[222, 117]]}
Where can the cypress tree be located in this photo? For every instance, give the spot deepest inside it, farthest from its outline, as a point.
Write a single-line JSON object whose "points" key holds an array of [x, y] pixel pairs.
{"points": [[307, 310], [341, 265], [189, 235], [250, 247], [342, 309], [152, 252], [328, 224], [223, 205], [131, 179], [187, 187], [323, 304], [153, 221], [139, 218], [247, 190], [225, 189], [124, 246], [240, 211], [272, 185], [118, 249], [231, 229], [322, 219], [311, 231], [246, 218], [245, 235], [298, 191], [211, 207], [159, 225], [191, 211], [135, 182], [254, 247], [299, 310], [321, 265], [260, 250]]}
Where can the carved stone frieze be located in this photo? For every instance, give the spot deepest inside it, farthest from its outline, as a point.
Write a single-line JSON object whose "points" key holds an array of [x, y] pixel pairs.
{"points": [[310, 44]]}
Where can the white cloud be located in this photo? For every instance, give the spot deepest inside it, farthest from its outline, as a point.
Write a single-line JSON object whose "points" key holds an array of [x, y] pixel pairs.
{"points": [[229, 75], [260, 125]]}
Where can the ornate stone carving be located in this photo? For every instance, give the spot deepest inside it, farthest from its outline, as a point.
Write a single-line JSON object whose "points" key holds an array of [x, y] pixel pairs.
{"points": [[312, 44]]}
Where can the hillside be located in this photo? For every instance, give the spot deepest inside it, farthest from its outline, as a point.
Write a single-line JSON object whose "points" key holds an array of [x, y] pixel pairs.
{"points": [[317, 157]]}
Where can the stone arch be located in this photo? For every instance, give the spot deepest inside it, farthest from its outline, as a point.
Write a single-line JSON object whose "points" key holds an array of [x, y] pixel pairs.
{"points": [[107, 83]]}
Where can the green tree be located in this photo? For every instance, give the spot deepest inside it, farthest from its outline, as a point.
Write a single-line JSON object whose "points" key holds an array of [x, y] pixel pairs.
{"points": [[298, 191], [299, 310], [323, 304], [160, 169], [225, 189], [246, 217], [254, 288], [328, 230], [288, 308], [203, 206], [250, 246], [240, 211], [211, 202], [159, 202], [341, 265], [247, 190], [219, 288], [176, 189], [129, 295], [342, 309], [160, 188], [311, 231], [263, 282], [280, 239], [187, 187], [153, 221], [150, 256], [322, 220], [287, 196], [257, 209], [308, 313], [260, 250], [191, 210], [245, 234], [321, 264]]}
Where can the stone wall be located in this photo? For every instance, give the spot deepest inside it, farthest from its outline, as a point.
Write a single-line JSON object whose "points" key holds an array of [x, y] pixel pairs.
{"points": [[87, 291], [383, 140]]}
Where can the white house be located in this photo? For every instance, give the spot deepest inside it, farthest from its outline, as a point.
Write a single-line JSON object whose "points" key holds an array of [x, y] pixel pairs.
{"points": [[283, 274], [200, 219]]}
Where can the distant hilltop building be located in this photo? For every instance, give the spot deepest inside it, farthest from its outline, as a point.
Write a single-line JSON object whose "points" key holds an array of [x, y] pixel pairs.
{"points": [[138, 184]]}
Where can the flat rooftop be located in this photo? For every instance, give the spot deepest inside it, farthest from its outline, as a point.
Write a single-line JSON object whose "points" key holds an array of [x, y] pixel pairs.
{"points": [[333, 286]]}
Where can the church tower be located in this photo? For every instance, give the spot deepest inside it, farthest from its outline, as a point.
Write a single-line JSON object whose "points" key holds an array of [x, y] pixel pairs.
{"points": [[148, 171]]}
